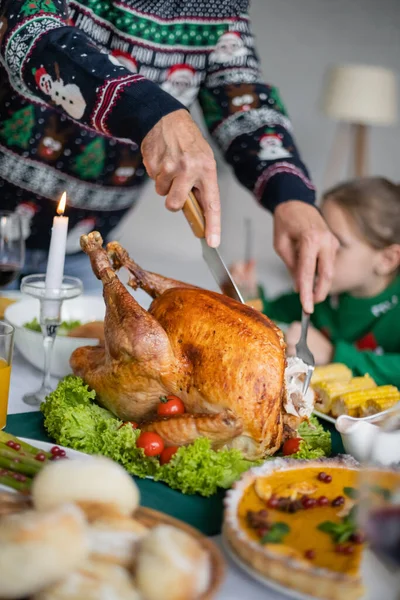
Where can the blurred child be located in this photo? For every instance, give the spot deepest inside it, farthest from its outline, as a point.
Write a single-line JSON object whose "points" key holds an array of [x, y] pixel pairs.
{"points": [[359, 323]]}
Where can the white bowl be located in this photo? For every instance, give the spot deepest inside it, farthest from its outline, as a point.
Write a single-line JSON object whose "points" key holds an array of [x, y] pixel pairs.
{"points": [[30, 343]]}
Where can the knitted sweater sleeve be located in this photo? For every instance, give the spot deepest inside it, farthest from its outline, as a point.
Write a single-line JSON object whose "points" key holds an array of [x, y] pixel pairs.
{"points": [[51, 62], [249, 122]]}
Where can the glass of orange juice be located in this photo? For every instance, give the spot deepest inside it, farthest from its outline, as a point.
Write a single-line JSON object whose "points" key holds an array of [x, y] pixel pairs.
{"points": [[6, 350]]}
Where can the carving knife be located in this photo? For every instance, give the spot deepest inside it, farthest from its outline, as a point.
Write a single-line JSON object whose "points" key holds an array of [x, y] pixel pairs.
{"points": [[194, 216]]}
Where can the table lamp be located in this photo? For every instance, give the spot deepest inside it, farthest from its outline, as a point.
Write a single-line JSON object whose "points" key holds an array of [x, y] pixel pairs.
{"points": [[359, 96]]}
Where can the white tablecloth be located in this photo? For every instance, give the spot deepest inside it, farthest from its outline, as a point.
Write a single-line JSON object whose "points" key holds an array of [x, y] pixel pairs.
{"points": [[237, 585]]}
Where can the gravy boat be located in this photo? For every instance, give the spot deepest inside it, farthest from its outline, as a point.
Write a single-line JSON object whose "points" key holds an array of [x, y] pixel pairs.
{"points": [[358, 438]]}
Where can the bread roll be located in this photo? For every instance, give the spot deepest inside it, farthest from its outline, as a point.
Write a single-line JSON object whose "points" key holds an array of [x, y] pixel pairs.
{"points": [[96, 480], [171, 565], [93, 581], [115, 539], [38, 549], [94, 330]]}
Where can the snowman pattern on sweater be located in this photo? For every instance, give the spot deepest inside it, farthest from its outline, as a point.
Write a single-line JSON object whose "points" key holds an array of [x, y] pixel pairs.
{"points": [[68, 96]]}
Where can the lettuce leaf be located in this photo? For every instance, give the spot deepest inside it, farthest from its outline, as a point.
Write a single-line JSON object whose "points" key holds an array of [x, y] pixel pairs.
{"points": [[200, 469], [316, 441], [73, 419]]}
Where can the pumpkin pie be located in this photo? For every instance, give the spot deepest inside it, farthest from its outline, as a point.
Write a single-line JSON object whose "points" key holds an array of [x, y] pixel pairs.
{"points": [[294, 522]]}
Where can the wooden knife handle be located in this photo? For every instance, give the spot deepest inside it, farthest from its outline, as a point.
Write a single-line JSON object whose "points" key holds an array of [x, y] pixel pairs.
{"points": [[194, 215]]}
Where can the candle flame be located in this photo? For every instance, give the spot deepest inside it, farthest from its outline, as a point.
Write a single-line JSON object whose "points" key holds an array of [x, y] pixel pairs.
{"points": [[61, 204]]}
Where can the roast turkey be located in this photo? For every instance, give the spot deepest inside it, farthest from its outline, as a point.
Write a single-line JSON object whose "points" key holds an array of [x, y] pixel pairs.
{"points": [[225, 360]]}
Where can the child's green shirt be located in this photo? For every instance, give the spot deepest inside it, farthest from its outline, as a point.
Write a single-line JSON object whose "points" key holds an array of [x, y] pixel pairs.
{"points": [[365, 332]]}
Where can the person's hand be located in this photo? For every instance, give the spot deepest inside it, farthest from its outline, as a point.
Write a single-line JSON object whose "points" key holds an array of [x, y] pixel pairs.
{"points": [[245, 276], [319, 345], [179, 159], [307, 246]]}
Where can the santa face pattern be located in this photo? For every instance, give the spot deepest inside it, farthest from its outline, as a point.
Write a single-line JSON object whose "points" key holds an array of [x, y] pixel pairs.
{"points": [[65, 115], [271, 147]]}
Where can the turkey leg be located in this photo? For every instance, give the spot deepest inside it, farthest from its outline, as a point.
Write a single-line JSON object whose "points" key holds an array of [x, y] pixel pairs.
{"points": [[152, 283], [131, 333], [185, 429]]}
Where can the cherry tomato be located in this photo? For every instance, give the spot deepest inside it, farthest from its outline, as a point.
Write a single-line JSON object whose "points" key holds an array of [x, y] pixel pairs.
{"points": [[151, 443], [167, 454], [291, 446], [169, 406]]}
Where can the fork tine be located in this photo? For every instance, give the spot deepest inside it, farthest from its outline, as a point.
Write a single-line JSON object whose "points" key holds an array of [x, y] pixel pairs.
{"points": [[303, 352], [307, 380]]}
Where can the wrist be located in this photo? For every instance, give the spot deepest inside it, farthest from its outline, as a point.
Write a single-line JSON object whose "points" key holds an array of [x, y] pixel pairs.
{"points": [[281, 183]]}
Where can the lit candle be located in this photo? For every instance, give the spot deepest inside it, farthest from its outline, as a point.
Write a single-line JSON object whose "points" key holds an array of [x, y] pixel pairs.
{"points": [[56, 259]]}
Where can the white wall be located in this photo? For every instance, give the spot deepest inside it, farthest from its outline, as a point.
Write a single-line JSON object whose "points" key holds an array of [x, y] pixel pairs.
{"points": [[297, 40]]}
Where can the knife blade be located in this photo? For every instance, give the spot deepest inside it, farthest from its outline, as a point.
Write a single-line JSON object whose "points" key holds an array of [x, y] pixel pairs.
{"points": [[195, 218]]}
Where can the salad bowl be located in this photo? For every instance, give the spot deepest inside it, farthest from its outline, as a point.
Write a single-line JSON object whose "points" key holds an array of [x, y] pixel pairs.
{"points": [[29, 342]]}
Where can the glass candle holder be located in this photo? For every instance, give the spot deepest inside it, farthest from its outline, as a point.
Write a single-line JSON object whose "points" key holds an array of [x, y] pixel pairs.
{"points": [[51, 301]]}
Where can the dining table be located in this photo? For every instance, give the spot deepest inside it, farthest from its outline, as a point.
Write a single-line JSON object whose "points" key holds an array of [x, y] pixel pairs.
{"points": [[203, 513]]}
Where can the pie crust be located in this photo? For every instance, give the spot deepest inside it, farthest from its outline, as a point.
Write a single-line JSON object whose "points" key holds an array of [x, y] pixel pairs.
{"points": [[281, 566]]}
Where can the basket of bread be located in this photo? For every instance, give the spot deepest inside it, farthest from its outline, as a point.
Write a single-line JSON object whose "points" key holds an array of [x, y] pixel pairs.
{"points": [[81, 535]]}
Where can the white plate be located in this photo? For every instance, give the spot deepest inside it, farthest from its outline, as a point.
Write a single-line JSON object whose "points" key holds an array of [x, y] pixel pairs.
{"points": [[71, 454], [377, 581], [324, 417]]}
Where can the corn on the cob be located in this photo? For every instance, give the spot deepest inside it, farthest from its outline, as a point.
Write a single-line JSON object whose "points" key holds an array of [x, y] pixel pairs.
{"points": [[352, 402], [327, 392], [332, 372], [378, 405]]}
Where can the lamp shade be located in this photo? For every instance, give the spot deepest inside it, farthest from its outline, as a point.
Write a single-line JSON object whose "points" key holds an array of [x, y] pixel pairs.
{"points": [[361, 94]]}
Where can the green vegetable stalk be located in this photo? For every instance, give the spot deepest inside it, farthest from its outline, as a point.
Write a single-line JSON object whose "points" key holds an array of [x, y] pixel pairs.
{"points": [[13, 461], [7, 437], [7, 478]]}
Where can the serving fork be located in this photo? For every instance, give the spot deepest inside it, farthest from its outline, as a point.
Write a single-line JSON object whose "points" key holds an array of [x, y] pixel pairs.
{"points": [[303, 351]]}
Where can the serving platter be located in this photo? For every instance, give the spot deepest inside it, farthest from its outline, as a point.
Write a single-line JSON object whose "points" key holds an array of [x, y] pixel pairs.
{"points": [[46, 446], [325, 417]]}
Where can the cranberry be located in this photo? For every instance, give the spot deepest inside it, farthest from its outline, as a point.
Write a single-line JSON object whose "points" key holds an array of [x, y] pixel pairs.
{"points": [[308, 502], [343, 549], [310, 554], [322, 501], [339, 501], [357, 538], [273, 502], [262, 531], [59, 457], [17, 447], [321, 476], [40, 457], [19, 477], [10, 444], [62, 453], [328, 479], [55, 450]]}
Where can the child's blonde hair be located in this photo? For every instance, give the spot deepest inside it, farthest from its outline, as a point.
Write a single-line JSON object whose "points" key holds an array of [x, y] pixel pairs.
{"points": [[374, 205]]}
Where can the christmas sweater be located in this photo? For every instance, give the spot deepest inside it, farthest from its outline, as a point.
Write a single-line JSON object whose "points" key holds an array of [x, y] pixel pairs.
{"points": [[365, 332], [84, 81]]}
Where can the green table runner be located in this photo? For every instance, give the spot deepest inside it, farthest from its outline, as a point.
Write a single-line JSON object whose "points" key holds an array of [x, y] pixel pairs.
{"points": [[203, 513]]}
